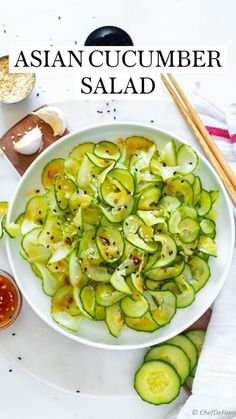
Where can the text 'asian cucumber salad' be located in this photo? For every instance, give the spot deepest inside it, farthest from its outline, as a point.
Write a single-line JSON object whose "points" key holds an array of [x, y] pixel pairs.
{"points": [[122, 233]]}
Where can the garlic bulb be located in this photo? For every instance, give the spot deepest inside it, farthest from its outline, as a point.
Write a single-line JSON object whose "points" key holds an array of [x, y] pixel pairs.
{"points": [[54, 117], [30, 143]]}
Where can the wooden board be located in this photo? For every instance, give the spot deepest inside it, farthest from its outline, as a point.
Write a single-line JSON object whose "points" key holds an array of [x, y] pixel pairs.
{"points": [[22, 162]]}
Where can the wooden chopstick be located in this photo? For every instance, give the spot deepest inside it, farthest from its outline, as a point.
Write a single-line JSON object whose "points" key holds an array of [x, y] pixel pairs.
{"points": [[210, 155], [204, 132]]}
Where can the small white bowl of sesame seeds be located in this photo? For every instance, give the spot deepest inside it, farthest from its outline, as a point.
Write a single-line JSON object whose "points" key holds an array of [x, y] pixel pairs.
{"points": [[14, 87]]}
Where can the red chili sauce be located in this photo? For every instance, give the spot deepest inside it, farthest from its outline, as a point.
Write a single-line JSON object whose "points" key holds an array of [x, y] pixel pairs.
{"points": [[9, 301]]}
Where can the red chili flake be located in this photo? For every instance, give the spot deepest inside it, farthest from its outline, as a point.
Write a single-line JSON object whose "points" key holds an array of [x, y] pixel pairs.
{"points": [[106, 161], [116, 201], [136, 260]]}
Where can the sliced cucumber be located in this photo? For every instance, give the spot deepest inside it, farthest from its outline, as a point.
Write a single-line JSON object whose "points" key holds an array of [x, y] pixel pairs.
{"points": [[124, 177], [119, 213], [107, 150], [12, 229], [168, 154], [188, 229], [197, 337], [113, 193], [119, 283], [172, 354], [160, 274], [71, 167], [35, 214], [207, 245], [204, 203], [131, 227], [35, 251], [136, 143], [114, 319], [149, 198], [200, 272], [80, 150], [187, 346], [197, 189], [63, 188], [75, 273], [3, 212], [87, 296], [168, 250], [136, 305], [50, 283], [208, 227], [98, 162], [51, 170], [180, 188], [157, 382], [169, 203], [187, 156], [165, 306], [106, 295], [110, 244], [143, 324]]}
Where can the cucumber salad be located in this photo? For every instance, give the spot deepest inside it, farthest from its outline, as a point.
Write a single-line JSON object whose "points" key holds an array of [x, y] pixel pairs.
{"points": [[121, 233]]}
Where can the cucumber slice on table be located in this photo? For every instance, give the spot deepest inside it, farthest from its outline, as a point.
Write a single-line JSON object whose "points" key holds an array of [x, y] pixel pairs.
{"points": [[187, 346], [197, 337], [172, 354], [157, 382]]}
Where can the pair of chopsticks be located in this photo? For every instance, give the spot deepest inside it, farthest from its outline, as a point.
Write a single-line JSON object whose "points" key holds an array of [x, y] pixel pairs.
{"points": [[202, 135]]}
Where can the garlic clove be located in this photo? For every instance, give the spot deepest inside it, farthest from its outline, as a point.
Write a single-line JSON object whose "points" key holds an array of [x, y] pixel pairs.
{"points": [[31, 142], [54, 117]]}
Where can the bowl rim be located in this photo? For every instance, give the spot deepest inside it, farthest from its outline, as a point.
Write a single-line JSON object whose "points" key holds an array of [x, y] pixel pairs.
{"points": [[152, 341]]}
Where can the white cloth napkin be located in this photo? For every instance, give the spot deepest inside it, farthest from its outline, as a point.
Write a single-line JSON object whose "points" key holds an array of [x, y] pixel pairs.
{"points": [[214, 388]]}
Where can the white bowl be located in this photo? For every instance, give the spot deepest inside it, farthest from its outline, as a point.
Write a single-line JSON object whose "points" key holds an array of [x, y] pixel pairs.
{"points": [[96, 333]]}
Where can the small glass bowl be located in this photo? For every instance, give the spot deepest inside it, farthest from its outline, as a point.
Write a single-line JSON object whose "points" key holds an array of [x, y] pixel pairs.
{"points": [[19, 298]]}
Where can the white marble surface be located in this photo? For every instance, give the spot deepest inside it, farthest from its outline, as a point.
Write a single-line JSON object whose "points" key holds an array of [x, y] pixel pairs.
{"points": [[151, 23]]}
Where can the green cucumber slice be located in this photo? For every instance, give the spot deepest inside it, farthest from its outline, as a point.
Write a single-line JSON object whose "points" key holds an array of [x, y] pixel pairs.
{"points": [[3, 212], [64, 309], [172, 354], [160, 274], [182, 212], [124, 177], [113, 193], [189, 382], [119, 283], [71, 167], [51, 170], [149, 198], [136, 143], [187, 156], [165, 307], [188, 229], [157, 382], [136, 305], [12, 229], [214, 197], [100, 313], [180, 188], [204, 204], [87, 296], [168, 250], [106, 295], [207, 245], [63, 188], [119, 213], [98, 162], [169, 203], [208, 227], [197, 336], [110, 243], [200, 272], [131, 227], [143, 324], [50, 283], [150, 218], [77, 199], [35, 214], [114, 319], [75, 273], [80, 150], [197, 189], [107, 150], [59, 254], [51, 231], [35, 251], [168, 154], [183, 342]]}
